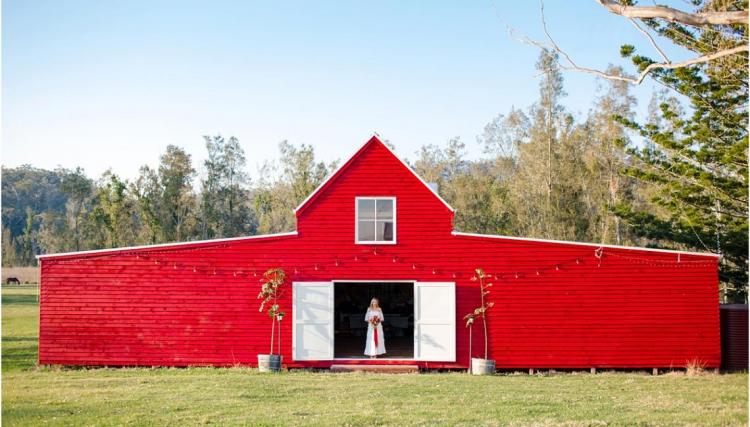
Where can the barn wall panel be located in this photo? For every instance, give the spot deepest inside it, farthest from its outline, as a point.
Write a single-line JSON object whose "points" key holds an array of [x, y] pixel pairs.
{"points": [[557, 305]]}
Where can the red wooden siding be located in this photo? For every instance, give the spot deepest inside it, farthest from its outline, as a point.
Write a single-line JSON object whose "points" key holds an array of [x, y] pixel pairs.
{"points": [[421, 217], [195, 304]]}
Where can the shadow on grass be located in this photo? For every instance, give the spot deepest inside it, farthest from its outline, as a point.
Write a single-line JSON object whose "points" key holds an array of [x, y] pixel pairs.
{"points": [[20, 357], [19, 300], [19, 339]]}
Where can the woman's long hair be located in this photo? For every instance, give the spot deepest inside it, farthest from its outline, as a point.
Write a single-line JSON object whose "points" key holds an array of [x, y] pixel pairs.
{"points": [[373, 303]]}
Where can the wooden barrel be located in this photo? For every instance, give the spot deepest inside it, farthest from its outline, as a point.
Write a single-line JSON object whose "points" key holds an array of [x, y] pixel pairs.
{"points": [[269, 363], [482, 366]]}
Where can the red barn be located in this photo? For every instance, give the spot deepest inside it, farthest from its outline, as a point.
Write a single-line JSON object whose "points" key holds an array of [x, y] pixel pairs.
{"points": [[374, 228]]}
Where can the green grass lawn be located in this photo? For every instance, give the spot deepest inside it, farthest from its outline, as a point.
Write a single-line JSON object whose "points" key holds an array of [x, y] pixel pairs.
{"points": [[242, 396]]}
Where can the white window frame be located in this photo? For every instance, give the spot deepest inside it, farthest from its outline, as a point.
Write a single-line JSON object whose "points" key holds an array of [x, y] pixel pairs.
{"points": [[356, 221]]}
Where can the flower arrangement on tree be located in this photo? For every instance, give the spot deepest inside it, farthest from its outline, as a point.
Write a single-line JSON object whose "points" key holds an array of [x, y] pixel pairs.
{"points": [[481, 311], [270, 292]]}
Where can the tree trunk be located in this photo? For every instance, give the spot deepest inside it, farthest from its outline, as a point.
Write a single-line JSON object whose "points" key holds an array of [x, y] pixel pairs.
{"points": [[614, 188], [273, 325], [549, 161], [484, 324], [618, 238], [484, 317], [470, 355]]}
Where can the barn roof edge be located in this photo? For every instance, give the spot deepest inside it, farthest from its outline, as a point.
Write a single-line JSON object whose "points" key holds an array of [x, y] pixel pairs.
{"points": [[169, 245], [594, 245]]}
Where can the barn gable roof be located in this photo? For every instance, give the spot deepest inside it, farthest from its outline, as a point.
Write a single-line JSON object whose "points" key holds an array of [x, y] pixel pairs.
{"points": [[370, 144], [172, 245]]}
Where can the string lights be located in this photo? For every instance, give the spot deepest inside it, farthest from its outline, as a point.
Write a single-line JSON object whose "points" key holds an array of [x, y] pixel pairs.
{"points": [[338, 261]]}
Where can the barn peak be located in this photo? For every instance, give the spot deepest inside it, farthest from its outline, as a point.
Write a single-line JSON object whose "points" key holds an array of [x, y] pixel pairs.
{"points": [[373, 143]]}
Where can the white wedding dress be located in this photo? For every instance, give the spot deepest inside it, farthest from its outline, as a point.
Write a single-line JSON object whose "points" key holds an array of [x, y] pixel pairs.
{"points": [[371, 349]]}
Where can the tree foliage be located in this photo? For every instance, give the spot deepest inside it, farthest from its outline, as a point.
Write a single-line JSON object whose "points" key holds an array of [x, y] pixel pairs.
{"points": [[696, 160], [224, 191], [285, 184], [64, 210]]}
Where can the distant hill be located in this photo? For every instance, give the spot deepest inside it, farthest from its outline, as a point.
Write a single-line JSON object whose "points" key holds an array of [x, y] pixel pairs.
{"points": [[29, 187]]}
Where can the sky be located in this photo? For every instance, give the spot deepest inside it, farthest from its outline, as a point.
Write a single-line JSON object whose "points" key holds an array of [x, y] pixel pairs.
{"points": [[109, 84]]}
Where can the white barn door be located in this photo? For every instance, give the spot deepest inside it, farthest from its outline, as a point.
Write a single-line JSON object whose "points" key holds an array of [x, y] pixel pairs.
{"points": [[435, 321], [312, 320]]}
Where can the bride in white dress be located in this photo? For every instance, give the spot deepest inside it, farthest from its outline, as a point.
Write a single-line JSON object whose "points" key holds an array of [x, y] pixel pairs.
{"points": [[375, 345]]}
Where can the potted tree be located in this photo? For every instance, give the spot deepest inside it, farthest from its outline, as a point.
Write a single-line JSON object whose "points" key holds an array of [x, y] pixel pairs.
{"points": [[480, 366], [270, 292]]}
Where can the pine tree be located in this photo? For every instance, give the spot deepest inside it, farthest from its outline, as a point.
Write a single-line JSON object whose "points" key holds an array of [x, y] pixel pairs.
{"points": [[697, 160]]}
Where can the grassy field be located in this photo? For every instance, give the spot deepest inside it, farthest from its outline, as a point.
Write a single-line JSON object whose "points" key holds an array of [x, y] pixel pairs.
{"points": [[53, 396], [20, 327]]}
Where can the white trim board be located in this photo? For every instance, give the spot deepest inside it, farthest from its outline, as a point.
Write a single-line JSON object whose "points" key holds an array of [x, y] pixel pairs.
{"points": [[166, 245], [593, 245]]}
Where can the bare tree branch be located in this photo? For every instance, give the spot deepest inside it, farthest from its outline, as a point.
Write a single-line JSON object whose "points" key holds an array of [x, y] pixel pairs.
{"points": [[572, 66], [666, 66], [675, 15], [650, 39]]}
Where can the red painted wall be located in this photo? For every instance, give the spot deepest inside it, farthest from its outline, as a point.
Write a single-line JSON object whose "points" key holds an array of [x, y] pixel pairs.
{"points": [[196, 304]]}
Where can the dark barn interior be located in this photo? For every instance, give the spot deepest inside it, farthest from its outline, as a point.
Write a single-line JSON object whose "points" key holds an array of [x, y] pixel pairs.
{"points": [[351, 302]]}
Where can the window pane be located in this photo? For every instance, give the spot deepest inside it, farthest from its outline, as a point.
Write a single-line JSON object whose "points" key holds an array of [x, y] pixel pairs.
{"points": [[366, 230], [385, 209], [385, 231], [366, 209]]}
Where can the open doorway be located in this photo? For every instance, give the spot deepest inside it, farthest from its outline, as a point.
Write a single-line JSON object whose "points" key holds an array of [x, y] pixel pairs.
{"points": [[351, 300]]}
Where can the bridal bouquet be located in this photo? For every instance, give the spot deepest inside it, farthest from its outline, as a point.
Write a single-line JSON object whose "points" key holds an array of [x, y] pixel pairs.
{"points": [[375, 321]]}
